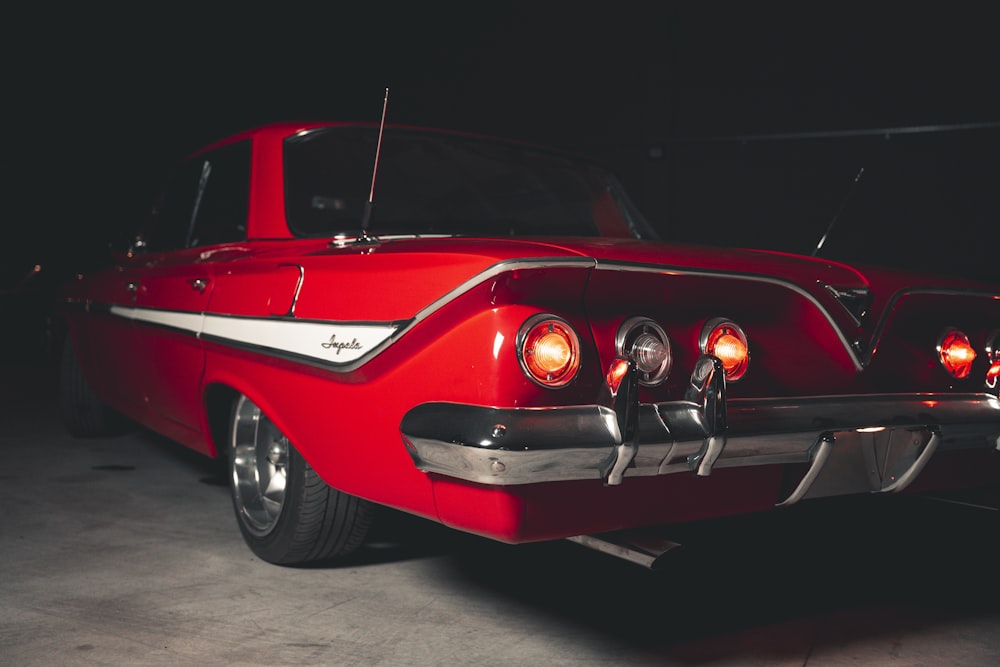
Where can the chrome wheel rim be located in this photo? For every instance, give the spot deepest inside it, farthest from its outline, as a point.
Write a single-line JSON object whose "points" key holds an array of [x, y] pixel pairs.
{"points": [[259, 468]]}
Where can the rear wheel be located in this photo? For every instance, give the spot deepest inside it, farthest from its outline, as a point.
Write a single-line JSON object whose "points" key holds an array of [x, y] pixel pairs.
{"points": [[287, 514]]}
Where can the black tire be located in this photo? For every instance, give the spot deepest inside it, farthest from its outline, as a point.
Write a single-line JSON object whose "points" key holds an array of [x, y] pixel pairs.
{"points": [[286, 513], [82, 411]]}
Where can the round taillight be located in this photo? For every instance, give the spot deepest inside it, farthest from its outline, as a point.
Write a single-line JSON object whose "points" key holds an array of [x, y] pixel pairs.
{"points": [[549, 350], [726, 340], [644, 342], [956, 353]]}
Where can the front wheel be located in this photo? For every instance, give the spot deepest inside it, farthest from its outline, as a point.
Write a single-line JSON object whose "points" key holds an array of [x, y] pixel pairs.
{"points": [[84, 414], [287, 514]]}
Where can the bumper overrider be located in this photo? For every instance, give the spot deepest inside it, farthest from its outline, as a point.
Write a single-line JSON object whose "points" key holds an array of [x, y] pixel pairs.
{"points": [[852, 444]]}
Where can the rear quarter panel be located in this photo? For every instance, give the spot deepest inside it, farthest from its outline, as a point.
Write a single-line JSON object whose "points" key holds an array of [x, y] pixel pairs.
{"points": [[345, 420]]}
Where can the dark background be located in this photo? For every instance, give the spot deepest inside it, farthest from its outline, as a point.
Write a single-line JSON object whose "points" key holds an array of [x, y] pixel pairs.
{"points": [[728, 123]]}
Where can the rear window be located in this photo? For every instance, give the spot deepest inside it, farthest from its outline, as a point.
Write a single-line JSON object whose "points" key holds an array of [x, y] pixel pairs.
{"points": [[444, 184]]}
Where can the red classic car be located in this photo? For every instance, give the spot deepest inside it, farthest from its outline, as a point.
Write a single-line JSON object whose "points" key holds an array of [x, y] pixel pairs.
{"points": [[505, 347]]}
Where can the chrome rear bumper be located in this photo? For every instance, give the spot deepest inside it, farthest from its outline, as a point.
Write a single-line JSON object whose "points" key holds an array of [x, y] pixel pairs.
{"points": [[851, 443]]}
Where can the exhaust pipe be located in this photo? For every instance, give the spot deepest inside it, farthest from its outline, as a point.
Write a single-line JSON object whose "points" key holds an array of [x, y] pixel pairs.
{"points": [[641, 548]]}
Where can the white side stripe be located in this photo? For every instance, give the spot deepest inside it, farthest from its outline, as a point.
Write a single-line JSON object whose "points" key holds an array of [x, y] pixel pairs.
{"points": [[333, 343], [185, 321], [337, 344]]}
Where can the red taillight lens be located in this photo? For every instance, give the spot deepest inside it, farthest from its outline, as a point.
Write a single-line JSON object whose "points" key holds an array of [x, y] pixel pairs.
{"points": [[956, 353], [725, 340], [549, 350]]}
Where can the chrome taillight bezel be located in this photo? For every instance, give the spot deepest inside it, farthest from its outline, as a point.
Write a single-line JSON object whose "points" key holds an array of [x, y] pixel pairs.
{"points": [[958, 372], [707, 336], [530, 328], [629, 337]]}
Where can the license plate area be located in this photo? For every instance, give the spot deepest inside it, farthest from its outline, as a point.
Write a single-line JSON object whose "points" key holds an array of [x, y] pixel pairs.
{"points": [[868, 460]]}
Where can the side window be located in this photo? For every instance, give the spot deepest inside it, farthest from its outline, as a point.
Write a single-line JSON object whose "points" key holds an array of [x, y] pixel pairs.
{"points": [[205, 201], [171, 215], [223, 199]]}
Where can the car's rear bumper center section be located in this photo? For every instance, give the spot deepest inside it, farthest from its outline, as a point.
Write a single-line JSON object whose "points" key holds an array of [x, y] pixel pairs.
{"points": [[850, 444]]}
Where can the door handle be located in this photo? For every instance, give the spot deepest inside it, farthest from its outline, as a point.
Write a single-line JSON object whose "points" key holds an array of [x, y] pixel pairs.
{"points": [[199, 284]]}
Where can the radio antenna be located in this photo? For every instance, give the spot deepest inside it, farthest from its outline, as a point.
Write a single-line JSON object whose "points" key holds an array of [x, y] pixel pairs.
{"points": [[367, 215], [836, 216]]}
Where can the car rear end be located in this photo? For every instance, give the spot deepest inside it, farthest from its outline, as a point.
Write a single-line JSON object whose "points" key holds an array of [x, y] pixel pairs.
{"points": [[669, 384]]}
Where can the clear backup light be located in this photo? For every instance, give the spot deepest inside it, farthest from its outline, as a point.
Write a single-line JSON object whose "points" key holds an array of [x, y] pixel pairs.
{"points": [[644, 342], [993, 354], [549, 350], [725, 339], [956, 353]]}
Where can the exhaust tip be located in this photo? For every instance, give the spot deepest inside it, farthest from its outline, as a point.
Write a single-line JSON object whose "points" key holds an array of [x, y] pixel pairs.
{"points": [[642, 548]]}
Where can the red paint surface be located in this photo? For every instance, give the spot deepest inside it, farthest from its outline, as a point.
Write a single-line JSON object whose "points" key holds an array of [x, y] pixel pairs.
{"points": [[346, 423]]}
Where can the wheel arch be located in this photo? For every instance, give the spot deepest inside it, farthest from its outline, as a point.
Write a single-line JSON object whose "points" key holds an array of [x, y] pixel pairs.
{"points": [[219, 399], [218, 396]]}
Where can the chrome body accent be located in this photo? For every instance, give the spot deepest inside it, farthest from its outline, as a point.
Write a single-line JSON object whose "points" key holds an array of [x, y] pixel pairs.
{"points": [[859, 363], [852, 444], [298, 288], [625, 404], [855, 300], [348, 241], [860, 360], [819, 455], [707, 391], [883, 460]]}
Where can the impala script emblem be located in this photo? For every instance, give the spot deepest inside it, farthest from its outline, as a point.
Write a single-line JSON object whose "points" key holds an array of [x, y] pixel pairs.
{"points": [[334, 343]]}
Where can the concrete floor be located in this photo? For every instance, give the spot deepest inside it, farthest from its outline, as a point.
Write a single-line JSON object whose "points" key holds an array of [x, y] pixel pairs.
{"points": [[124, 551]]}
